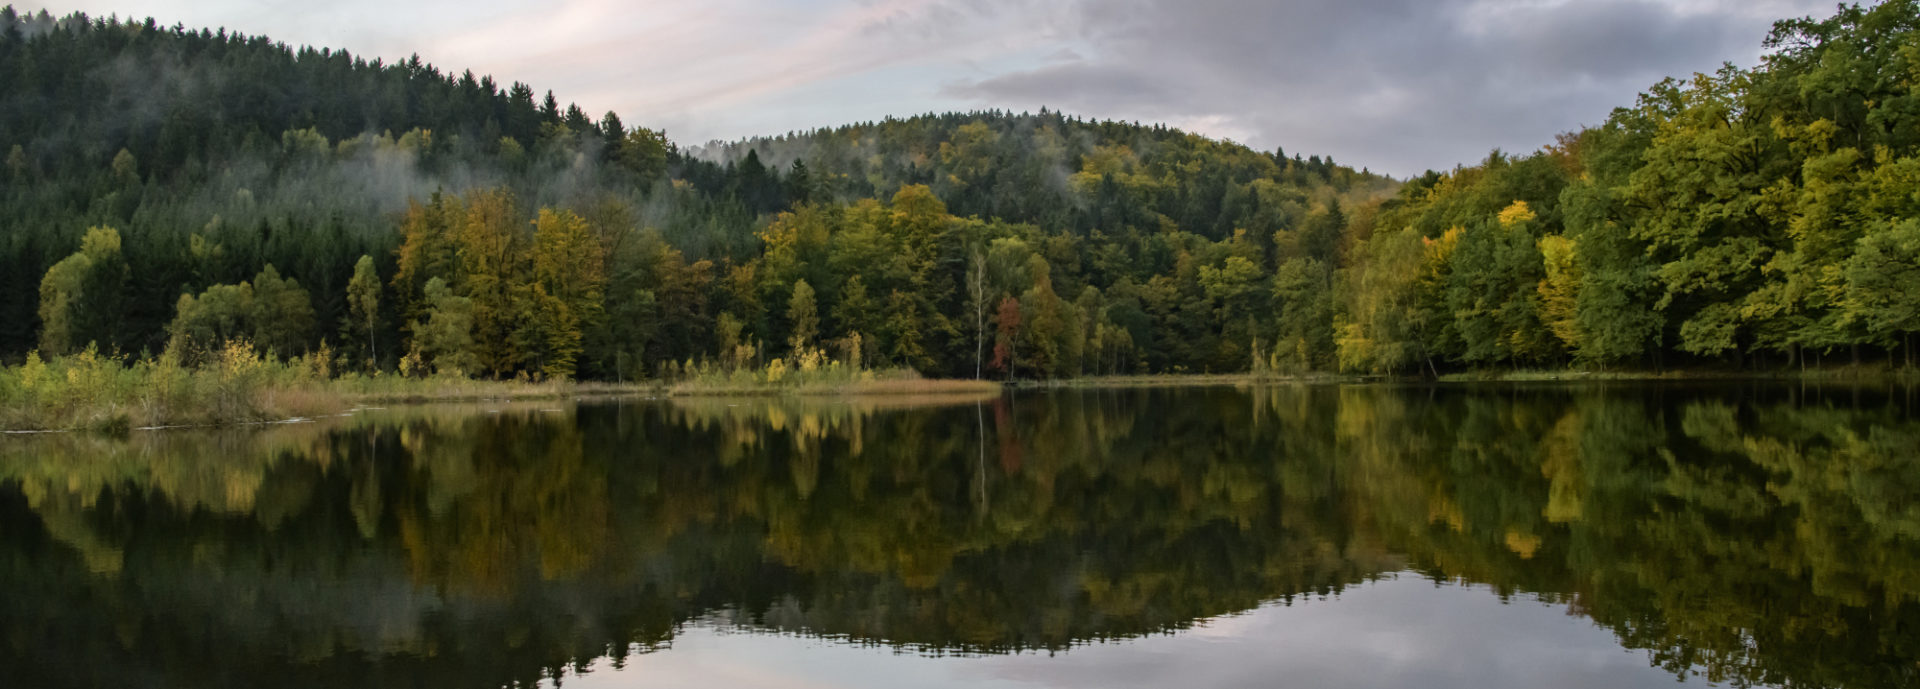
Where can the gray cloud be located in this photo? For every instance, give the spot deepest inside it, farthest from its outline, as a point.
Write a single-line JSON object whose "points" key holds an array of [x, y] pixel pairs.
{"points": [[1073, 80], [1400, 85], [1397, 85]]}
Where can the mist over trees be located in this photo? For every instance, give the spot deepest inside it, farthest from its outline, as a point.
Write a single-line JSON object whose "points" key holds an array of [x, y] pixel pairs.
{"points": [[422, 221]]}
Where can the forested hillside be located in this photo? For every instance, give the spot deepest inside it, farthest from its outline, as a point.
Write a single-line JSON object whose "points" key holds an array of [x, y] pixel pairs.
{"points": [[232, 186], [168, 190]]}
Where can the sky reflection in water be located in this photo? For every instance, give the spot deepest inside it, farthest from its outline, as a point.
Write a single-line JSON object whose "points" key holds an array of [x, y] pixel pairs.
{"points": [[1404, 631]]}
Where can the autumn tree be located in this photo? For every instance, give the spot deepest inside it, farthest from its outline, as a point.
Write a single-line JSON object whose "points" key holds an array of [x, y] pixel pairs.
{"points": [[363, 308], [444, 336], [80, 297], [856, 311], [803, 317], [1883, 285], [218, 315], [1006, 342], [490, 248], [1559, 289], [426, 252], [282, 315], [1238, 293], [644, 152], [1303, 308], [565, 300]]}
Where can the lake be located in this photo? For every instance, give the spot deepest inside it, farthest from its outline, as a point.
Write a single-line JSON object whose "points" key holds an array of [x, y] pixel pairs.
{"points": [[1461, 536]]}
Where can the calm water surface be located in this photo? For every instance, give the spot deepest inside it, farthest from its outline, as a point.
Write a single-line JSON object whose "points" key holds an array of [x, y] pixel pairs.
{"points": [[1500, 536]]}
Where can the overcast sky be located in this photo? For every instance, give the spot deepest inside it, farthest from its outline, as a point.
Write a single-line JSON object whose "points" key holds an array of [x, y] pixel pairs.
{"points": [[1397, 85]]}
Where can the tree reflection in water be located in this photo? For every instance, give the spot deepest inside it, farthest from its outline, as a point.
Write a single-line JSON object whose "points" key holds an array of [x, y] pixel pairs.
{"points": [[1751, 535]]}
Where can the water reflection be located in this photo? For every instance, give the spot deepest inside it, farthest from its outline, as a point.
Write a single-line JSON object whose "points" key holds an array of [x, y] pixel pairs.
{"points": [[1746, 535], [1401, 632]]}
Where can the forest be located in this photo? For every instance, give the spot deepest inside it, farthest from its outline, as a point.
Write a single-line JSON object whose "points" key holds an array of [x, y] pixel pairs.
{"points": [[170, 191]]}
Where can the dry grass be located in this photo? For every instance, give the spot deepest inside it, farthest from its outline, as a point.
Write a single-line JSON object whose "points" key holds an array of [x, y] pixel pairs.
{"points": [[831, 380], [94, 392]]}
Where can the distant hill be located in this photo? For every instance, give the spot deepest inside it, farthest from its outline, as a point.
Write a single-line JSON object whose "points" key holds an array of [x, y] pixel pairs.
{"points": [[1062, 171]]}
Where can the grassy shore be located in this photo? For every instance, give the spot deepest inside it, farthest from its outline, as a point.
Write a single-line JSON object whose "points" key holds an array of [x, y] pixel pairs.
{"points": [[92, 392], [237, 386], [89, 391]]}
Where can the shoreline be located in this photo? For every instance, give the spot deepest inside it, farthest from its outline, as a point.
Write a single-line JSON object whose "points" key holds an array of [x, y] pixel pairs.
{"points": [[308, 402], [1846, 374], [1182, 380], [315, 399], [869, 388]]}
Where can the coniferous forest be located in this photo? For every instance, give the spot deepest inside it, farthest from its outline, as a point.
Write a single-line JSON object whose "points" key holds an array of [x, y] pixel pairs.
{"points": [[171, 190]]}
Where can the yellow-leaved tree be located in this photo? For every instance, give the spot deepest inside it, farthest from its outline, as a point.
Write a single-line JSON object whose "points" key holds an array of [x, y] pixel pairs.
{"points": [[569, 275], [1560, 289], [80, 296]]}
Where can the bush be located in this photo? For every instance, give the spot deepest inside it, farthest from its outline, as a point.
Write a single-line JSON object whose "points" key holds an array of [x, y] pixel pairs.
{"points": [[90, 390]]}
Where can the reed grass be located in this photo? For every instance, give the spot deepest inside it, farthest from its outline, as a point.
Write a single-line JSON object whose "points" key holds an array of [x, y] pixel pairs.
{"points": [[236, 385]]}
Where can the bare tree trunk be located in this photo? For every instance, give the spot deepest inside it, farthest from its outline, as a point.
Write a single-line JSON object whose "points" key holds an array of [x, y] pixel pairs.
{"points": [[977, 285], [980, 465], [979, 337]]}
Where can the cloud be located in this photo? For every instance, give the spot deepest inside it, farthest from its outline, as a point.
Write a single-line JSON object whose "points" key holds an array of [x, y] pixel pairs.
{"points": [[1397, 85], [1074, 79], [1401, 85]]}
